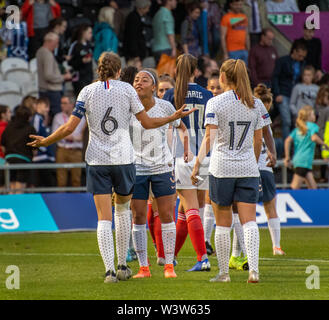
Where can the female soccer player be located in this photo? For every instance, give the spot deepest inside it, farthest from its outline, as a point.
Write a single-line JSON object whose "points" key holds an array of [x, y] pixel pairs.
{"points": [[154, 168], [108, 105], [234, 121], [192, 198]]}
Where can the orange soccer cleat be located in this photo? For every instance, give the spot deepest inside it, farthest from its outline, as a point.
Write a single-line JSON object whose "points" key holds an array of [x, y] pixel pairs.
{"points": [[144, 272], [169, 271]]}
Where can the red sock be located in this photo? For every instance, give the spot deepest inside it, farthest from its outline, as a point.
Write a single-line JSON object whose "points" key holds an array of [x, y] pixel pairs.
{"points": [[174, 214], [195, 230], [158, 235], [181, 232], [150, 221]]}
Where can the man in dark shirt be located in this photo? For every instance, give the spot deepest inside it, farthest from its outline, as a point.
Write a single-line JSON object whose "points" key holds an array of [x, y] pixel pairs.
{"points": [[262, 59], [314, 51]]}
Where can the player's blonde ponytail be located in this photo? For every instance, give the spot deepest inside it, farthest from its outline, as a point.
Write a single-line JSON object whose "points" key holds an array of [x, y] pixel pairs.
{"points": [[185, 66], [237, 77], [303, 116]]}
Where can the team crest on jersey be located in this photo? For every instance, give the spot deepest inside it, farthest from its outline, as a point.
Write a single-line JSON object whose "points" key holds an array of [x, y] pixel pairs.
{"points": [[265, 116]]}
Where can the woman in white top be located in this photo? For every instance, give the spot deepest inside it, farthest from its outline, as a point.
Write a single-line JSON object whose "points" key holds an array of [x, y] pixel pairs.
{"points": [[234, 122], [108, 105]]}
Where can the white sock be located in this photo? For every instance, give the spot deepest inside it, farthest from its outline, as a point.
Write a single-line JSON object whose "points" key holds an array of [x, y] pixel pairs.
{"points": [[223, 246], [239, 235], [169, 241], [201, 214], [209, 221], [140, 243], [131, 243], [105, 243], [122, 235], [274, 228], [251, 238]]}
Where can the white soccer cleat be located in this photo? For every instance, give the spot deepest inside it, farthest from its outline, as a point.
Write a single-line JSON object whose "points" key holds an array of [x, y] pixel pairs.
{"points": [[110, 277], [221, 278], [124, 273], [278, 252], [161, 261], [253, 277]]}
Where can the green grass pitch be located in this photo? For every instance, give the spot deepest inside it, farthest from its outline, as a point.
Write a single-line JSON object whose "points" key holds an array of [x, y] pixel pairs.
{"points": [[68, 266]]}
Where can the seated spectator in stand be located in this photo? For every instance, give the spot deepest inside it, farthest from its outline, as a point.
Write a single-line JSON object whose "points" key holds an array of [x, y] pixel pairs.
{"points": [[37, 14], [14, 140], [234, 32], [314, 51], [262, 59], [59, 26], [281, 6], [81, 54], [304, 93], [165, 83], [50, 78], [214, 85], [103, 32], [138, 27], [286, 74], [43, 177], [190, 32], [164, 30], [69, 150]]}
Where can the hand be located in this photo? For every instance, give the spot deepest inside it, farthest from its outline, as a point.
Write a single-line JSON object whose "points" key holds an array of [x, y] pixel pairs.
{"points": [[318, 75], [31, 2], [225, 56], [38, 141], [287, 163], [194, 175], [86, 59], [271, 158], [188, 156], [67, 76], [52, 3], [173, 53], [279, 99], [180, 113], [325, 147]]}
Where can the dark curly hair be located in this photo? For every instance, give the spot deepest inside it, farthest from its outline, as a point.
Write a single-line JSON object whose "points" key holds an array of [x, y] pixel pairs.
{"points": [[109, 64]]}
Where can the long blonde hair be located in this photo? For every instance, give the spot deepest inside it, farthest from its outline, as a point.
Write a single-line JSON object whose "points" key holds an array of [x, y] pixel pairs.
{"points": [[185, 66], [303, 116], [237, 77]]}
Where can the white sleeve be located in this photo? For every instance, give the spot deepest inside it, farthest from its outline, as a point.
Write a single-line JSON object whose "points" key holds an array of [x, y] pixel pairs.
{"points": [[264, 113], [211, 113], [80, 105], [135, 103]]}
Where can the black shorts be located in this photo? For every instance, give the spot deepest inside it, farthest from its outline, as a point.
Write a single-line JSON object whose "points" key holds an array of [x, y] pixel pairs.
{"points": [[19, 175], [302, 172], [101, 179], [268, 191], [225, 191]]}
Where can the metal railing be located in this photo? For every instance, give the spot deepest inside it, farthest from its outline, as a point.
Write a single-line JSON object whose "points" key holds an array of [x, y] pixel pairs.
{"points": [[30, 166]]}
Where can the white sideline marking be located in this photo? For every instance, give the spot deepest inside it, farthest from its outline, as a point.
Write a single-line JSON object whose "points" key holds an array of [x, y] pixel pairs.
{"points": [[179, 258]]}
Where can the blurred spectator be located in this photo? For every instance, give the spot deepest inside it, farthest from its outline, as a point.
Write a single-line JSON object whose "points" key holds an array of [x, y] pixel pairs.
{"points": [[234, 32], [104, 35], [281, 6], [59, 26], [43, 177], [37, 14], [30, 102], [50, 78], [69, 150], [305, 139], [14, 140], [262, 59], [213, 84], [128, 74], [164, 31], [165, 83], [304, 93], [303, 4], [5, 115], [81, 58], [314, 51], [202, 25], [214, 16], [136, 63], [205, 67], [257, 16], [286, 73], [322, 108], [138, 32], [190, 32]]}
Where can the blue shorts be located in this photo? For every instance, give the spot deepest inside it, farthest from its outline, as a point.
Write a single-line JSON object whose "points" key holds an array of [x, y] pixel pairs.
{"points": [[225, 191], [268, 186], [101, 179], [162, 185]]}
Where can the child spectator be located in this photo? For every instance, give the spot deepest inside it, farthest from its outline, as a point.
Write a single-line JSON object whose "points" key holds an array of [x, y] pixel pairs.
{"points": [[59, 26], [14, 140], [304, 93], [304, 137]]}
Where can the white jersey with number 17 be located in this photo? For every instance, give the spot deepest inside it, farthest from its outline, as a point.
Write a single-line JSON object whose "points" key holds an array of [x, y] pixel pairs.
{"points": [[108, 106]]}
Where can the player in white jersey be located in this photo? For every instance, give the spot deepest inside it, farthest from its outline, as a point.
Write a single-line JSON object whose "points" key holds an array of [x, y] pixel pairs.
{"points": [[234, 122], [154, 168], [108, 105]]}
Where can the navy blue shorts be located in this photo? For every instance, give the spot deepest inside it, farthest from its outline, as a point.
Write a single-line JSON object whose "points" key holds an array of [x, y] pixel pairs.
{"points": [[162, 185], [101, 179], [224, 191], [268, 186]]}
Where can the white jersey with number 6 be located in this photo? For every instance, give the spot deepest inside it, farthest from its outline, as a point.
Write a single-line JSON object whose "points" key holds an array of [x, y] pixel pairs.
{"points": [[108, 106], [233, 152]]}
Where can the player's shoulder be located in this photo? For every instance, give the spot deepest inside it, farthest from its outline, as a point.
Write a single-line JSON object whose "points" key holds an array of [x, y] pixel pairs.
{"points": [[167, 105]]}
